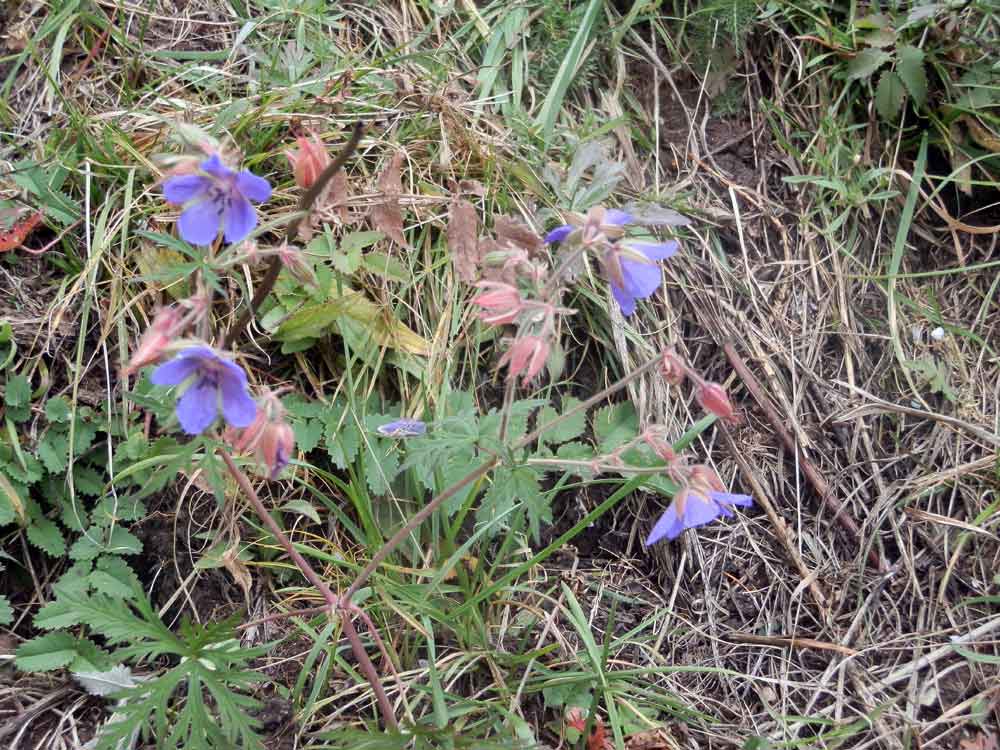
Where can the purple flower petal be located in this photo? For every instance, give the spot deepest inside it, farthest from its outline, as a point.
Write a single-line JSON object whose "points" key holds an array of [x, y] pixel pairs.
{"points": [[185, 188], [174, 372], [641, 279], [237, 406], [699, 510], [615, 216], [655, 250], [669, 526], [402, 428], [625, 300], [239, 218], [199, 223], [203, 353], [728, 498], [253, 187], [559, 234], [214, 166], [198, 406]]}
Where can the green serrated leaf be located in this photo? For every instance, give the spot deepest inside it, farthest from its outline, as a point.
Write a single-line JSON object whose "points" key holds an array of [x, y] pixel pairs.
{"points": [[342, 443], [889, 96], [866, 62], [53, 450], [88, 546], [107, 584], [307, 433], [56, 614], [46, 652], [510, 486], [123, 542], [17, 391], [83, 436], [87, 480], [57, 409], [565, 431], [45, 535], [6, 611], [911, 70], [303, 408], [381, 466], [615, 425]]}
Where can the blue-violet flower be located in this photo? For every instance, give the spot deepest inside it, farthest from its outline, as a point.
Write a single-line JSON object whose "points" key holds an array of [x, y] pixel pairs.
{"points": [[213, 384], [217, 197]]}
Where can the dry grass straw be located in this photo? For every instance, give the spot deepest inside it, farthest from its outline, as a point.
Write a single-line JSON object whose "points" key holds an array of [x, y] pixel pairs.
{"points": [[832, 637]]}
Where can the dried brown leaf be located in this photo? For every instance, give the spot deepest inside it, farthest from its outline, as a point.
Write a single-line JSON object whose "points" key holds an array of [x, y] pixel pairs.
{"points": [[514, 232], [472, 187], [463, 239], [387, 216], [651, 739], [237, 568]]}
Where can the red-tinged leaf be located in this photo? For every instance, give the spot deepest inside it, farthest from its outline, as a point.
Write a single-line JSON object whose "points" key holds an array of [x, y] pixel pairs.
{"points": [[513, 232], [387, 216], [13, 238], [463, 239]]}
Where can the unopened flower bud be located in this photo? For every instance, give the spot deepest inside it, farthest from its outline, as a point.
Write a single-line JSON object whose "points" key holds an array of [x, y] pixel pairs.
{"points": [[309, 161], [714, 399], [501, 303], [526, 357], [274, 447], [153, 345], [269, 436], [295, 263], [672, 367]]}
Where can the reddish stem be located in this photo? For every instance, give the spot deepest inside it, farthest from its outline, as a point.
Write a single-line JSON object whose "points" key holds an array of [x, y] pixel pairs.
{"points": [[334, 602]]}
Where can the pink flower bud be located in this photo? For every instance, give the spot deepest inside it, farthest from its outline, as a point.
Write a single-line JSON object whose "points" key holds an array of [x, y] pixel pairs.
{"points": [[153, 345], [714, 399], [269, 436], [501, 303], [672, 367], [295, 263], [243, 440], [526, 357], [274, 447], [309, 161]]}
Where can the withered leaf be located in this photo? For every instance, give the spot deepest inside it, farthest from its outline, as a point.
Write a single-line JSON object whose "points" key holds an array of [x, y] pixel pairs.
{"points": [[337, 195], [511, 231], [463, 239], [387, 216], [651, 739], [472, 187]]}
